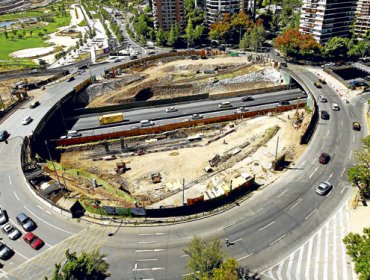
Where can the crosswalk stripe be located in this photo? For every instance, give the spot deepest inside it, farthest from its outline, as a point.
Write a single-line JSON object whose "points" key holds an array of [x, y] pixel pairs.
{"points": [[291, 257], [334, 242], [279, 270], [299, 263], [317, 258], [343, 248], [308, 259], [326, 252]]}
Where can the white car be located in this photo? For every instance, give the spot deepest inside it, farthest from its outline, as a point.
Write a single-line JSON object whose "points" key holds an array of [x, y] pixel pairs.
{"points": [[145, 123], [27, 120], [3, 218], [241, 110], [225, 105], [335, 106], [197, 116], [171, 109], [12, 232]]}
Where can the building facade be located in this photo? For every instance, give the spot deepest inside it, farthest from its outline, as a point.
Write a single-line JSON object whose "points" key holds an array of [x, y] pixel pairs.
{"points": [[167, 13], [215, 9], [325, 19], [362, 17]]}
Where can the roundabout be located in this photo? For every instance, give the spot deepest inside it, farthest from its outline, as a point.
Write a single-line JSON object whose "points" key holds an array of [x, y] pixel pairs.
{"points": [[264, 228]]}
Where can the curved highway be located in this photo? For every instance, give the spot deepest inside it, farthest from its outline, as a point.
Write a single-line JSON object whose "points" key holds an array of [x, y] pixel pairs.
{"points": [[264, 228]]}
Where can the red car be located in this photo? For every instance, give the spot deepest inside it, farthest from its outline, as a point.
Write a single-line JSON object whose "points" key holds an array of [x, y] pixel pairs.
{"points": [[35, 242], [324, 158]]}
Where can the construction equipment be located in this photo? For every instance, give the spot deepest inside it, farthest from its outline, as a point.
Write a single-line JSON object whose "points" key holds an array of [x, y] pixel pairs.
{"points": [[120, 167], [156, 177]]}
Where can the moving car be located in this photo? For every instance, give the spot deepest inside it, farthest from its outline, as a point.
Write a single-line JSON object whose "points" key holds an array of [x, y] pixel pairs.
{"points": [[335, 107], [317, 84], [241, 110], [322, 81], [3, 135], [325, 115], [5, 252], [356, 126], [322, 99], [32, 239], [324, 188], [34, 104], [284, 103], [247, 98], [145, 123], [324, 158], [26, 222], [27, 120], [197, 116], [12, 232], [3, 217], [70, 79], [225, 105], [171, 109]]}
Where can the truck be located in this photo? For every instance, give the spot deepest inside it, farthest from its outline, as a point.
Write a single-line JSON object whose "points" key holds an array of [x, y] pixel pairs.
{"points": [[110, 118]]}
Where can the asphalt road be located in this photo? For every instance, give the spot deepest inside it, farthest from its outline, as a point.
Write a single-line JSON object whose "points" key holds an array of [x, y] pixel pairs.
{"points": [[264, 228], [208, 108]]}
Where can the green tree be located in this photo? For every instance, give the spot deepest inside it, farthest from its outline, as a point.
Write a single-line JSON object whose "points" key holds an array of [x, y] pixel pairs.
{"points": [[189, 33], [85, 266], [31, 32], [359, 174], [173, 35], [6, 34], [227, 271], [160, 37], [40, 34], [336, 47], [257, 36], [358, 247]]}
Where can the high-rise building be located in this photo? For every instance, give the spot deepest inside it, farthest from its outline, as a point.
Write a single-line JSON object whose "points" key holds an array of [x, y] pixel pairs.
{"points": [[362, 17], [167, 13], [325, 19], [216, 9]]}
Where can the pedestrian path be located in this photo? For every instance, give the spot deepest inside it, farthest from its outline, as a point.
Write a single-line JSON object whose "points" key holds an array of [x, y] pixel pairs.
{"points": [[322, 257]]}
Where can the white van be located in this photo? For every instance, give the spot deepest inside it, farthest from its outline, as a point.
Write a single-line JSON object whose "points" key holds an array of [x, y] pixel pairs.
{"points": [[225, 105], [145, 123]]}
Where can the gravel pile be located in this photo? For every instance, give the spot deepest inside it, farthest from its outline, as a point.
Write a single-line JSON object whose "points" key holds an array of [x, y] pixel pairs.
{"points": [[268, 75]]}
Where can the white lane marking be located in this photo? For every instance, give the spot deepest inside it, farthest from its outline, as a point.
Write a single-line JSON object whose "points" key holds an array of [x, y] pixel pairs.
{"points": [[298, 201], [258, 210], [326, 252], [314, 160], [313, 173], [342, 246], [317, 257], [148, 250], [308, 259], [16, 196], [33, 214], [146, 260], [302, 164], [240, 239], [149, 234], [350, 155], [336, 148], [334, 263], [188, 237], [228, 226], [327, 134], [342, 123], [344, 169], [309, 215], [290, 262], [298, 271], [340, 135], [273, 242], [266, 226], [184, 256], [331, 175], [23, 256], [10, 180], [149, 268], [146, 242], [280, 270], [281, 194], [343, 190], [245, 257]]}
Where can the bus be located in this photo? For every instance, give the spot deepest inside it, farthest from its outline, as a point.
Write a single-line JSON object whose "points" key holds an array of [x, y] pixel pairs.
{"points": [[110, 118]]}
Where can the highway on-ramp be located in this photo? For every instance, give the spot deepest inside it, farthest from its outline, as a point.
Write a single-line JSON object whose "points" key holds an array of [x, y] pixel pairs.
{"points": [[264, 228]]}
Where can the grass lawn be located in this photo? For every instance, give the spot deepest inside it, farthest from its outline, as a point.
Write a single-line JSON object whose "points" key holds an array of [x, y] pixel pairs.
{"points": [[14, 16]]}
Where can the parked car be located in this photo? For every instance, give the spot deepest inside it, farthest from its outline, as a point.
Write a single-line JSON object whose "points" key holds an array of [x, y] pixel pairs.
{"points": [[145, 123], [322, 99], [335, 107], [34, 104], [5, 252], [27, 120], [324, 158], [356, 126], [26, 222], [317, 84], [171, 109], [325, 115], [3, 135], [247, 98], [225, 105], [324, 188], [3, 217], [12, 232], [197, 116], [32, 239]]}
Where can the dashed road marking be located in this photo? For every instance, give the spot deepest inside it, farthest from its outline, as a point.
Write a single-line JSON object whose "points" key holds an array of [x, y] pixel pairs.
{"points": [[273, 242], [266, 226], [16, 196], [146, 260], [151, 234], [149, 250], [245, 257], [10, 180], [313, 173], [298, 201], [281, 194], [309, 215]]}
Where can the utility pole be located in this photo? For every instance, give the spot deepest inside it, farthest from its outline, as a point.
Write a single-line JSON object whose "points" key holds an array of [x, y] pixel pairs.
{"points": [[277, 146], [183, 191]]}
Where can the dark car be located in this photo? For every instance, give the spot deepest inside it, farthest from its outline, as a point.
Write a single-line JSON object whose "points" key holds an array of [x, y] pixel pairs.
{"points": [[26, 222], [322, 99], [3, 135], [247, 98], [34, 104], [173, 51], [325, 115], [70, 79], [83, 67], [317, 84], [284, 103], [323, 188], [356, 126], [5, 252], [324, 158]]}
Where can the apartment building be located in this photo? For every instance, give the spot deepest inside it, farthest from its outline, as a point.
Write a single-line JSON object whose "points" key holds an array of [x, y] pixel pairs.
{"points": [[215, 9], [362, 17], [325, 19], [167, 13]]}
